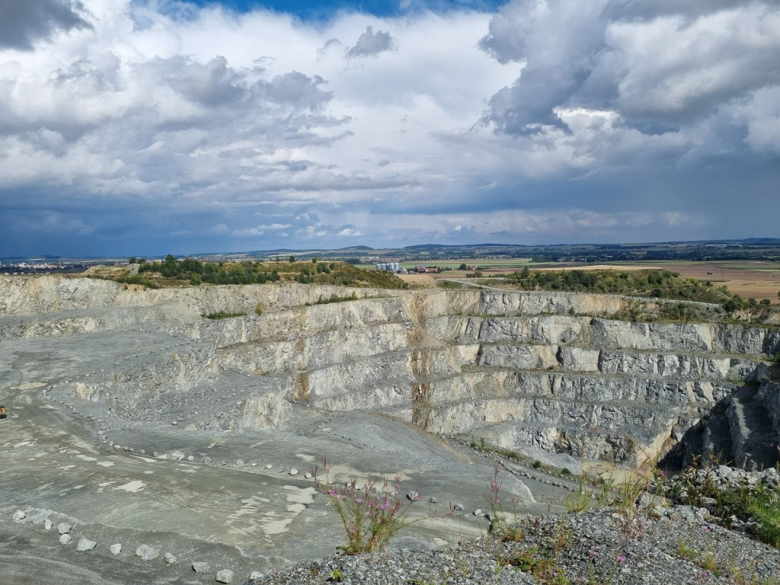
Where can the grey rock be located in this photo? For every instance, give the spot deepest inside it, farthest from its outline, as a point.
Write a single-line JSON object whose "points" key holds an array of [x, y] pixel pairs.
{"points": [[293, 471], [47, 524], [200, 567], [224, 576], [147, 553], [65, 539], [239, 463], [85, 544], [64, 527], [170, 559], [115, 549], [19, 516]]}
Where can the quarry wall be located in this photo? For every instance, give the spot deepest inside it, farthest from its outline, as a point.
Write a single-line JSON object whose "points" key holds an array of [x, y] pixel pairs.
{"points": [[550, 375]]}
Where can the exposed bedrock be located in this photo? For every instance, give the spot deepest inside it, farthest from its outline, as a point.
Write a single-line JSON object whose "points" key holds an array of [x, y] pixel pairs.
{"points": [[549, 375]]}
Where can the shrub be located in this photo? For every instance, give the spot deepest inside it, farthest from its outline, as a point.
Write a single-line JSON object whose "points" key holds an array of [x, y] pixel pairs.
{"points": [[222, 315], [259, 309], [195, 279], [372, 513], [537, 464]]}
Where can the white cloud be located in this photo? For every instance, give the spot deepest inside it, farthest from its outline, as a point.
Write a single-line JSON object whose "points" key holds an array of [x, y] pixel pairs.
{"points": [[466, 125]]}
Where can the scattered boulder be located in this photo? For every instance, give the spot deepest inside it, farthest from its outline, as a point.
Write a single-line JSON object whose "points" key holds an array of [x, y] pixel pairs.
{"points": [[256, 575], [85, 544], [190, 458], [65, 539], [307, 475], [147, 553], [47, 524], [19, 516], [225, 576], [293, 471], [200, 567], [64, 527], [115, 549], [434, 500], [458, 507], [170, 559], [477, 512], [269, 466]]}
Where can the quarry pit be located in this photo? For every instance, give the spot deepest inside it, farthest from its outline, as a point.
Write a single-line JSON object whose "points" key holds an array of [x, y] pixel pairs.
{"points": [[137, 421]]}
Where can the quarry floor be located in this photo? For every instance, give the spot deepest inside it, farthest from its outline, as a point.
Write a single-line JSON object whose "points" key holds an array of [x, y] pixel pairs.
{"points": [[225, 498]]}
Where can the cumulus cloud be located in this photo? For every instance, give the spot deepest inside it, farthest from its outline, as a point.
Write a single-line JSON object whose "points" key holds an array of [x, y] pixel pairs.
{"points": [[23, 22], [544, 121], [371, 43]]}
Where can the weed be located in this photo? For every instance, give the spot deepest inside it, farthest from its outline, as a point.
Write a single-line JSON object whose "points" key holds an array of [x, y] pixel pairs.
{"points": [[372, 513]]}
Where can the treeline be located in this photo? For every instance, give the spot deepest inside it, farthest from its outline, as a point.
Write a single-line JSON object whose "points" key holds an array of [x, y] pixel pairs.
{"points": [[170, 271], [662, 284], [197, 272]]}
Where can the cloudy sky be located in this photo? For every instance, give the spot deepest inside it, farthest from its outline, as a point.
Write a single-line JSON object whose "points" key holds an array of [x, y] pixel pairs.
{"points": [[155, 126]]}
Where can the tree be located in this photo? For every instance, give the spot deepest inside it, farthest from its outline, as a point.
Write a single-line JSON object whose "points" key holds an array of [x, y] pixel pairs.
{"points": [[292, 259], [315, 260], [462, 267], [132, 260]]}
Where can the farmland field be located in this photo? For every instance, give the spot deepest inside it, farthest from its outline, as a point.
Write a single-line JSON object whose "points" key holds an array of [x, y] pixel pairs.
{"points": [[502, 264], [760, 280], [757, 279]]}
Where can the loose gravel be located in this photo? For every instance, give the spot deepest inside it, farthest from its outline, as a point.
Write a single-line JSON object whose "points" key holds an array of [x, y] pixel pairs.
{"points": [[663, 546]]}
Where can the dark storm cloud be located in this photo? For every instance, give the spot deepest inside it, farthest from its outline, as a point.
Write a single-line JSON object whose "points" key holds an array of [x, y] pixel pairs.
{"points": [[22, 22], [371, 43], [658, 63]]}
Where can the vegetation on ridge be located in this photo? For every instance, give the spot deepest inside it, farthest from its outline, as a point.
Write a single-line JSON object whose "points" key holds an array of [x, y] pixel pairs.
{"points": [[662, 284], [173, 272]]}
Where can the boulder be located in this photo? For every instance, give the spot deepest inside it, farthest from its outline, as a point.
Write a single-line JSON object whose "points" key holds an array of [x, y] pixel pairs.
{"points": [[64, 527], [200, 567], [147, 553], [225, 576], [65, 539], [115, 549], [47, 524], [170, 559], [19, 516], [85, 544]]}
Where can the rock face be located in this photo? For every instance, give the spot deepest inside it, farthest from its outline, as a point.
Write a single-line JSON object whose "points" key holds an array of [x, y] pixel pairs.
{"points": [[550, 375]]}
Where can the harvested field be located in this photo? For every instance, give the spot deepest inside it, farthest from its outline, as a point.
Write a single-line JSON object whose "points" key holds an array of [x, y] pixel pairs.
{"points": [[748, 279], [419, 280]]}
